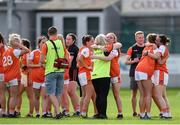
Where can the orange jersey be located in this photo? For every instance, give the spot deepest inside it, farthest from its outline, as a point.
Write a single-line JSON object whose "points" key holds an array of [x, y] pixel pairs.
{"points": [[115, 67], [66, 74], [24, 61], [164, 53], [37, 74], [129, 51], [146, 63], [66, 71], [86, 53], [11, 64], [2, 50], [109, 47]]}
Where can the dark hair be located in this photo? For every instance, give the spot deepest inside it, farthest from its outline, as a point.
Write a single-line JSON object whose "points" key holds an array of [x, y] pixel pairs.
{"points": [[26, 43], [151, 37], [1, 39], [86, 38], [52, 30], [40, 39], [164, 39], [73, 37]]}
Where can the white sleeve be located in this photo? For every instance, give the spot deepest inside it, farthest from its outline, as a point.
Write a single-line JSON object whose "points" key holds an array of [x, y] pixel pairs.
{"points": [[155, 51], [114, 52], [31, 56], [17, 52], [162, 49], [85, 52]]}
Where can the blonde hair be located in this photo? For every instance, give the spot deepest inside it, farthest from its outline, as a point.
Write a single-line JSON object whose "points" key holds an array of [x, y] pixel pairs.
{"points": [[139, 32], [101, 39], [60, 36], [114, 36], [14, 38]]}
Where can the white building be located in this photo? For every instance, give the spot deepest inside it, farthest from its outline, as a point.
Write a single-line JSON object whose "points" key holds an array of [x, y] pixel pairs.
{"points": [[79, 16]]}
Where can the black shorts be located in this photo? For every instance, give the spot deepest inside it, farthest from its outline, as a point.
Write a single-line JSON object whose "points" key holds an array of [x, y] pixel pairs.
{"points": [[73, 74], [133, 84]]}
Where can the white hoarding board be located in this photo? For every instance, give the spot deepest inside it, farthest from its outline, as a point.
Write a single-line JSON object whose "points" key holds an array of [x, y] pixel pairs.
{"points": [[150, 7]]}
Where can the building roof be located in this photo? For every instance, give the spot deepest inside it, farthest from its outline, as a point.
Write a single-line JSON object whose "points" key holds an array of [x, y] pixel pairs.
{"points": [[76, 5], [22, 5]]}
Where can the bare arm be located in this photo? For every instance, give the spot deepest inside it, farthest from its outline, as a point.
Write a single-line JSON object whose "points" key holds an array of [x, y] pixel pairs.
{"points": [[81, 59], [36, 65], [104, 58], [31, 65], [129, 61], [24, 49], [123, 54], [42, 58], [154, 56], [99, 47], [66, 56], [162, 61], [117, 45]]}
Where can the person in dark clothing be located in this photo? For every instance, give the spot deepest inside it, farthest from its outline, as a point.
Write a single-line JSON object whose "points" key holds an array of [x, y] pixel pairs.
{"points": [[134, 54], [73, 72]]}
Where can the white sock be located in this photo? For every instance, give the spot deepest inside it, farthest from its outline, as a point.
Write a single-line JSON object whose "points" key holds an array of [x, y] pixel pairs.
{"points": [[3, 113], [169, 114], [64, 109], [142, 114], [148, 114], [78, 110], [83, 113]]}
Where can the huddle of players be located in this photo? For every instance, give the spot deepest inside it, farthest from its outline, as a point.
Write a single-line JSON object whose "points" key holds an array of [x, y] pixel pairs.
{"points": [[149, 73], [21, 70], [148, 69]]}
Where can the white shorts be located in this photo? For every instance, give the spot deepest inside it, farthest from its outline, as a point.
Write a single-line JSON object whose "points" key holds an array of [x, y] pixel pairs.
{"points": [[160, 78], [115, 80], [37, 85], [13, 82], [83, 79], [140, 76], [24, 79], [1, 77], [66, 82]]}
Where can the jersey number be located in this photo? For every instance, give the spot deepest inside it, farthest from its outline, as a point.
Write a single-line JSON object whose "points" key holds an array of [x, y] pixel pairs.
{"points": [[7, 60]]}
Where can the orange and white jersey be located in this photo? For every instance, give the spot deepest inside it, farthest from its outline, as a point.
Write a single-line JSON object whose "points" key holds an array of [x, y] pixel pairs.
{"points": [[164, 53], [86, 53], [66, 71], [66, 76], [160, 78], [146, 65], [115, 67], [34, 58], [130, 51], [85, 74], [11, 64], [109, 47], [24, 63], [2, 50]]}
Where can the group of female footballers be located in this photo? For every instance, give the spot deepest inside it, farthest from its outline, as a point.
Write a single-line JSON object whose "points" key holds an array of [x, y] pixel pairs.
{"points": [[98, 67]]}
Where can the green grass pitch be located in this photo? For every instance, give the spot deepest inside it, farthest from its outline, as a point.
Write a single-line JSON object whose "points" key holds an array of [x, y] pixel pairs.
{"points": [[173, 95]]}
